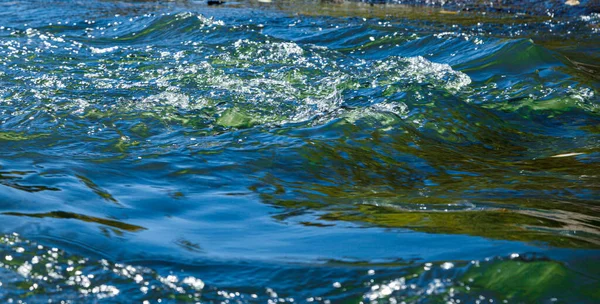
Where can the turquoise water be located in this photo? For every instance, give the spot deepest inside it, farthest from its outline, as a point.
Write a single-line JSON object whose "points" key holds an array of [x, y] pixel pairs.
{"points": [[297, 152]]}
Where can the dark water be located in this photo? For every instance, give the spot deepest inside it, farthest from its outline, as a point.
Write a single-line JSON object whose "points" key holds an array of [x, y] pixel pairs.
{"points": [[297, 152]]}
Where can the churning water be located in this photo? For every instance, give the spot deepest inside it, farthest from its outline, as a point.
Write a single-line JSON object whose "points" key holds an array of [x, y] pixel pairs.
{"points": [[297, 152]]}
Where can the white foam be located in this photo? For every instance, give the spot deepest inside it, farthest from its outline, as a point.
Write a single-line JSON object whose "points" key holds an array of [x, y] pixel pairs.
{"points": [[103, 50]]}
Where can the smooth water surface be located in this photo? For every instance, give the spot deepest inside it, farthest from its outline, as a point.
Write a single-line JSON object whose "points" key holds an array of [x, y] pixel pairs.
{"points": [[297, 152]]}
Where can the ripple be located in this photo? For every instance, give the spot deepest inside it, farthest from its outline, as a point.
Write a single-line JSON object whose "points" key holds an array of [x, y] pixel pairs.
{"points": [[338, 153]]}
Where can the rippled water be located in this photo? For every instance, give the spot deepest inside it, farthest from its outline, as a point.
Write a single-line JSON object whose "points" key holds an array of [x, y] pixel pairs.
{"points": [[297, 152]]}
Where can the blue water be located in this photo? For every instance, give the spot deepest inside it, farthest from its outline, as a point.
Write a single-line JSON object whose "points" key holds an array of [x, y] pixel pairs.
{"points": [[297, 152]]}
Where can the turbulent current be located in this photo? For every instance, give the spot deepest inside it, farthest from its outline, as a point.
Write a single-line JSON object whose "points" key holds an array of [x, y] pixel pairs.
{"points": [[163, 152]]}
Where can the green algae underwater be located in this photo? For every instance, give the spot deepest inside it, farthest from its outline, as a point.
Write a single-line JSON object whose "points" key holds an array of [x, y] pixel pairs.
{"points": [[298, 151]]}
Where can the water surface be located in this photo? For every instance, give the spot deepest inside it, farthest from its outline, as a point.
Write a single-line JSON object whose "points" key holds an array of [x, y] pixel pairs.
{"points": [[297, 152]]}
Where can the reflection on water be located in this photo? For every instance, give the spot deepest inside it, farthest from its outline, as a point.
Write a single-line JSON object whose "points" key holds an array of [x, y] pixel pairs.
{"points": [[36, 272], [284, 153], [85, 218]]}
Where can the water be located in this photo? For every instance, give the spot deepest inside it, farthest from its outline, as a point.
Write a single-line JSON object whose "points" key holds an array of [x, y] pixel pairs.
{"points": [[297, 152]]}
